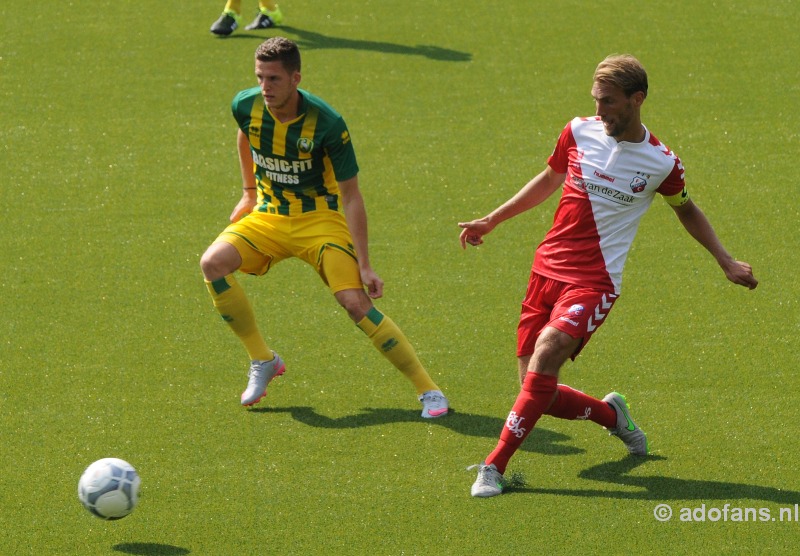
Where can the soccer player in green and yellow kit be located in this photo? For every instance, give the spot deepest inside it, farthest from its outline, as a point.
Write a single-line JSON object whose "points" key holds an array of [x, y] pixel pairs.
{"points": [[300, 198], [269, 15]]}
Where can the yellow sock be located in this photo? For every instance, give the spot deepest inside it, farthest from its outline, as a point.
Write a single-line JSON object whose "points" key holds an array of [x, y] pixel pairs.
{"points": [[395, 347], [267, 5], [233, 6], [232, 304]]}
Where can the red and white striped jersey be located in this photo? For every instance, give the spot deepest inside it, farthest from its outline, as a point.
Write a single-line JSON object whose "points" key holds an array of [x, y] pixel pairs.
{"points": [[608, 188]]}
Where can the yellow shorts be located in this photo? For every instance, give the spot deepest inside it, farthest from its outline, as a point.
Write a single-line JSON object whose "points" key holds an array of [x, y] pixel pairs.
{"points": [[320, 238]]}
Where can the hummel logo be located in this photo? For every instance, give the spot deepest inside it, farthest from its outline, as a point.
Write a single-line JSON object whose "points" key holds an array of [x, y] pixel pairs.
{"points": [[599, 315]]}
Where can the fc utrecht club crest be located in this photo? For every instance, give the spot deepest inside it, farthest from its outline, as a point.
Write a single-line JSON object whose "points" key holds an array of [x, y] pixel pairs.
{"points": [[576, 310], [638, 183], [305, 145]]}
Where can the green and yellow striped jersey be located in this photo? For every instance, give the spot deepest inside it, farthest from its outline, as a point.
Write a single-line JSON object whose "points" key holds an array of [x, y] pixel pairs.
{"points": [[297, 164]]}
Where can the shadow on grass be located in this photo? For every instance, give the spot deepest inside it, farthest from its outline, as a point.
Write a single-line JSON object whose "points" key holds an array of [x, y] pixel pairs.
{"points": [[540, 440], [309, 40], [150, 549], [660, 488]]}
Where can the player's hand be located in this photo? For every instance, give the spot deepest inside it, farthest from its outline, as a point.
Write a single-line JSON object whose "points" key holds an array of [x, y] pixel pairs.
{"points": [[372, 282], [741, 273], [243, 208], [473, 232]]}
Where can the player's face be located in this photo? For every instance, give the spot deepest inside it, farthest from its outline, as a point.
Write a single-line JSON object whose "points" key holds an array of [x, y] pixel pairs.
{"points": [[278, 86], [618, 112]]}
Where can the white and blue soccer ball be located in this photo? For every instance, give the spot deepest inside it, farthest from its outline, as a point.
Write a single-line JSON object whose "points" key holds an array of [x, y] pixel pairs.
{"points": [[109, 488]]}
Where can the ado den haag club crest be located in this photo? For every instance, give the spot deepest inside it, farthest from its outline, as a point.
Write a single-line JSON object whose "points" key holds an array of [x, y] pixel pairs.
{"points": [[305, 145]]}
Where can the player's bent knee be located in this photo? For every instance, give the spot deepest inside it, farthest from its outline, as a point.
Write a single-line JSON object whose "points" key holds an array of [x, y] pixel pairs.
{"points": [[355, 302], [552, 350], [219, 260]]}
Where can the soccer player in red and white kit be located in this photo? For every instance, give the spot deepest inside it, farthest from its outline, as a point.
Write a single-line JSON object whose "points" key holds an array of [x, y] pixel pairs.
{"points": [[611, 168]]}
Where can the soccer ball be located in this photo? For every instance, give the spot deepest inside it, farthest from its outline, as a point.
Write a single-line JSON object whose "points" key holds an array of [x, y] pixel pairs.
{"points": [[109, 488]]}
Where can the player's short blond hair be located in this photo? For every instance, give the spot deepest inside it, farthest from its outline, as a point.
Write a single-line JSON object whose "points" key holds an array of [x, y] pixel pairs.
{"points": [[623, 71]]}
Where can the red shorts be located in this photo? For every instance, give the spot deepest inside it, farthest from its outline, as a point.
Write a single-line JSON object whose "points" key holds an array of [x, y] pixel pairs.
{"points": [[572, 309]]}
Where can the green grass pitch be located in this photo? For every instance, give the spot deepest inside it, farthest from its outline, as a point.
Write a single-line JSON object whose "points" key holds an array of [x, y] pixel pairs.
{"points": [[118, 167]]}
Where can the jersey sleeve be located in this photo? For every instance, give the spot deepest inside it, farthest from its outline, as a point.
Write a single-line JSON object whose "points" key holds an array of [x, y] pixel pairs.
{"points": [[559, 160], [339, 148], [674, 183], [237, 110]]}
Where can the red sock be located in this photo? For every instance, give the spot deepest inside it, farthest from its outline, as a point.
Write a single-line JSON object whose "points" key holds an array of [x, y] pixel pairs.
{"points": [[573, 404], [535, 396]]}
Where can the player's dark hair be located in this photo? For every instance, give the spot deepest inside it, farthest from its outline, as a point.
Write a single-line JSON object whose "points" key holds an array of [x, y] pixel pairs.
{"points": [[623, 71], [280, 49]]}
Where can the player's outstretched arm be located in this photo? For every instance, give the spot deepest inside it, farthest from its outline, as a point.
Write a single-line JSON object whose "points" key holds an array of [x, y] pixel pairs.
{"points": [[532, 193], [698, 226]]}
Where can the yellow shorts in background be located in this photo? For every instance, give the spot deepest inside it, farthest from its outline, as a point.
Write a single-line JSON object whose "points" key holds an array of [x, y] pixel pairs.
{"points": [[320, 238]]}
